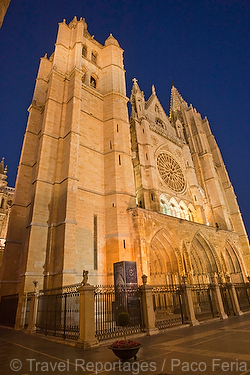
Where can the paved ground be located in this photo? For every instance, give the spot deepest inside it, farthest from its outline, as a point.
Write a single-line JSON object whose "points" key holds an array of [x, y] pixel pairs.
{"points": [[220, 347]]}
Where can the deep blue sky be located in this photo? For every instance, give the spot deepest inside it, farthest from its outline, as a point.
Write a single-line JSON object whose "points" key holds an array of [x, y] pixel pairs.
{"points": [[202, 46]]}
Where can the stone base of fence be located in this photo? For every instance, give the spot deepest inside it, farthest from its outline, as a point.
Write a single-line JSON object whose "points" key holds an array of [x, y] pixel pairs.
{"points": [[147, 309], [87, 337], [33, 313]]}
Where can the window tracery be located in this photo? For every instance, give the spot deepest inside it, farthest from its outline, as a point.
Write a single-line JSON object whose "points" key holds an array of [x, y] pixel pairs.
{"points": [[172, 208], [170, 172]]}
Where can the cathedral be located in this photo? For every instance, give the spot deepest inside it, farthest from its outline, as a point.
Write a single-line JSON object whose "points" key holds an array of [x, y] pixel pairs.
{"points": [[95, 187]]}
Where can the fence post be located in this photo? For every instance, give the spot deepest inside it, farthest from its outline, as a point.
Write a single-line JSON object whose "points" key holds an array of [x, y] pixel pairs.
{"points": [[233, 296], [188, 303], [33, 309], [215, 288], [148, 314], [87, 337]]}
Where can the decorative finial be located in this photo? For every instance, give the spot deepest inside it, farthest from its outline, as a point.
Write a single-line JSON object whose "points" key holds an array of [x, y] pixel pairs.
{"points": [[144, 279], [134, 80], [35, 282], [85, 277], [153, 89]]}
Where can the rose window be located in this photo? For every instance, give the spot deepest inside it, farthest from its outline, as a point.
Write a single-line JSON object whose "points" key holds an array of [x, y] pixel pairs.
{"points": [[170, 172]]}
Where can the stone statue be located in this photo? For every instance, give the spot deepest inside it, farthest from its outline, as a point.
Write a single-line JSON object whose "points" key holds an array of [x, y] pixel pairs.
{"points": [[85, 277]]}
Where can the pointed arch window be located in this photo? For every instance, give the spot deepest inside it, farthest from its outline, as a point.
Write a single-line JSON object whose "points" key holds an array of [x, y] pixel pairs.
{"points": [[93, 82], [159, 122], [94, 57], [164, 204], [184, 211], [84, 50]]}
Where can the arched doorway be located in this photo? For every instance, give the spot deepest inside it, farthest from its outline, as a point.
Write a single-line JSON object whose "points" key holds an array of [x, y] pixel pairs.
{"points": [[163, 261], [204, 261]]}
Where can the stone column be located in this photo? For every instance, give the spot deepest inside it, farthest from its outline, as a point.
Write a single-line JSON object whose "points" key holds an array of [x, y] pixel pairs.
{"points": [[216, 297], [188, 303], [147, 309], [87, 337], [233, 296]]}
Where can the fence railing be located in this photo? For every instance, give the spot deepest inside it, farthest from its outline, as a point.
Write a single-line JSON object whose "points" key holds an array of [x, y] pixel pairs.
{"points": [[58, 312], [204, 305], [243, 294], [109, 302], [168, 305]]}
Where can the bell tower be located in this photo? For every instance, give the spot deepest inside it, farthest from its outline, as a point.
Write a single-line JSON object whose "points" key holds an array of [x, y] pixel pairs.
{"points": [[75, 177]]}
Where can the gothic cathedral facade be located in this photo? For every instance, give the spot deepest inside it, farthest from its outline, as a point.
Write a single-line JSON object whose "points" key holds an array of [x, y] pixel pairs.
{"points": [[94, 188]]}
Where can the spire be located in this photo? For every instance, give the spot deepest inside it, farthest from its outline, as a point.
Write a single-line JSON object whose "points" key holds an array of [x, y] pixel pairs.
{"points": [[176, 100], [137, 100], [3, 170], [135, 87], [111, 40]]}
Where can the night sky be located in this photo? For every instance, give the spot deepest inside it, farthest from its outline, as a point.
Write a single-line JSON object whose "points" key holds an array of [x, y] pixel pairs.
{"points": [[201, 46]]}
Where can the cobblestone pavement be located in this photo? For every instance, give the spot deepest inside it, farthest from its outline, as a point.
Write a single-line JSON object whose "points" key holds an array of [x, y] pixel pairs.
{"points": [[218, 347]]}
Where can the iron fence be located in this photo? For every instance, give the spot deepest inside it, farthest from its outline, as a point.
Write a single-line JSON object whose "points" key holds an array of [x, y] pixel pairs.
{"points": [[58, 309], [204, 306], [168, 305], [58, 312], [109, 302], [243, 294]]}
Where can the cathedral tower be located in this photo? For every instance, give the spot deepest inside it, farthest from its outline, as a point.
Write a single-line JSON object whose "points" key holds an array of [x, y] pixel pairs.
{"points": [[75, 177]]}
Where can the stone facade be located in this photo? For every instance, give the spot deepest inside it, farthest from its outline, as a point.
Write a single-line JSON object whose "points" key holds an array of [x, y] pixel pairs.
{"points": [[94, 189], [6, 196], [196, 226]]}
